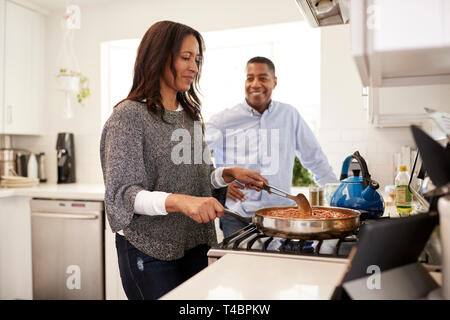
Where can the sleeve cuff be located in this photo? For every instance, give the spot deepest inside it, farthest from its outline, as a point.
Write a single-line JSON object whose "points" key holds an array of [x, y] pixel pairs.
{"points": [[217, 179], [150, 203]]}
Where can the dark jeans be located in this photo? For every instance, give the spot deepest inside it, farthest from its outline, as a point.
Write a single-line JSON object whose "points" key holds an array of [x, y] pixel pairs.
{"points": [[146, 278], [230, 225]]}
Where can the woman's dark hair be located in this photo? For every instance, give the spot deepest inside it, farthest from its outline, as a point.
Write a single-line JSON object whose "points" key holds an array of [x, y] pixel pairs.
{"points": [[163, 41]]}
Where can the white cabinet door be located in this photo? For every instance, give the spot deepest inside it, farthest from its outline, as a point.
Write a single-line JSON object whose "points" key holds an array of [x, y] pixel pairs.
{"points": [[23, 72], [15, 249], [402, 42], [2, 63], [113, 283]]}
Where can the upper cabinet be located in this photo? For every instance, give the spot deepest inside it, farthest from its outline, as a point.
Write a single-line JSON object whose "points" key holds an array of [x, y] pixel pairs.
{"points": [[402, 42], [21, 71]]}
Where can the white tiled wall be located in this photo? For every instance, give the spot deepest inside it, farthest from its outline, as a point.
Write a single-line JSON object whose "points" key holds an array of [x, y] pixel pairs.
{"points": [[87, 155], [376, 148], [344, 127]]}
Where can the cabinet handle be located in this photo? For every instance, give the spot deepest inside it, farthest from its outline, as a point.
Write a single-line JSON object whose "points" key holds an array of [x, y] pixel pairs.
{"points": [[9, 114], [65, 215]]}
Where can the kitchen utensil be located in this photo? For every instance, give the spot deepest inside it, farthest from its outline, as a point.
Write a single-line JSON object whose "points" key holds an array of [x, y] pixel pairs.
{"points": [[5, 141], [358, 193], [7, 163], [300, 199], [32, 168], [18, 182], [436, 159], [65, 153], [41, 167], [304, 229], [22, 157]]}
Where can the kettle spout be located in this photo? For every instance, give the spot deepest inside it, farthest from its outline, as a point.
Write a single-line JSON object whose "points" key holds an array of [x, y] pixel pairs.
{"points": [[369, 192]]}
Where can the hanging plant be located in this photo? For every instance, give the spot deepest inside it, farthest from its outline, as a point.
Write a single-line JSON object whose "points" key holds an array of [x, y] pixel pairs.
{"points": [[75, 82]]}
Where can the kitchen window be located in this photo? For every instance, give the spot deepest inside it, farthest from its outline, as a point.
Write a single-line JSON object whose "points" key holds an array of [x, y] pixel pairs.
{"points": [[293, 47]]}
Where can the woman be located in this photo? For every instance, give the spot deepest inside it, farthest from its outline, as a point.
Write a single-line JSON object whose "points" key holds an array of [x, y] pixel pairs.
{"points": [[158, 189]]}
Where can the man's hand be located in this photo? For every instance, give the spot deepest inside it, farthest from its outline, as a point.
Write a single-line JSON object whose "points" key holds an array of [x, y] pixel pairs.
{"points": [[250, 178], [234, 193], [200, 209]]}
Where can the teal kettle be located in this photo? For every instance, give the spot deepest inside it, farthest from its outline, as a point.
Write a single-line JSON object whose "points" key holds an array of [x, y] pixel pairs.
{"points": [[358, 192]]}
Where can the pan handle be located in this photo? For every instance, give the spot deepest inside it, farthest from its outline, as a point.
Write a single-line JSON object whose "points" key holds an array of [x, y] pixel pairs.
{"points": [[237, 216]]}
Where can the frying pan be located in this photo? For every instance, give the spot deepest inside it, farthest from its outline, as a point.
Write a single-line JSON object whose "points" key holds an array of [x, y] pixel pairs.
{"points": [[304, 229]]}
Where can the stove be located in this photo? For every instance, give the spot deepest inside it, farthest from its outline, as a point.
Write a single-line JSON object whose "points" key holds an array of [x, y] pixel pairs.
{"points": [[250, 240]]}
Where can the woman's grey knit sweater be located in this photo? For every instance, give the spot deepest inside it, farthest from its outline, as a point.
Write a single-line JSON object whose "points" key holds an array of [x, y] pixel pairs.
{"points": [[137, 150]]}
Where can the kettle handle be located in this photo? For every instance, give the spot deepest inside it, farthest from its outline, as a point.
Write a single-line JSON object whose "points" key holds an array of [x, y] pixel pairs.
{"points": [[363, 165]]}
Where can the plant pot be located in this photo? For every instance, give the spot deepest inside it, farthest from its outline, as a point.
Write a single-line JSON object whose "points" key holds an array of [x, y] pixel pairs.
{"points": [[68, 83]]}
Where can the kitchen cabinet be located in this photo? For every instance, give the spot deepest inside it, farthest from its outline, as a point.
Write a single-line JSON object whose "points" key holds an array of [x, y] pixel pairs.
{"points": [[2, 63], [113, 283], [401, 43], [403, 106], [21, 71], [15, 248]]}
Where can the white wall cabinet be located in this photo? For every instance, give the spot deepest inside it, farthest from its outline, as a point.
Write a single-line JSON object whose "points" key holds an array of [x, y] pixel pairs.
{"points": [[15, 249], [22, 69], [403, 106], [402, 42]]}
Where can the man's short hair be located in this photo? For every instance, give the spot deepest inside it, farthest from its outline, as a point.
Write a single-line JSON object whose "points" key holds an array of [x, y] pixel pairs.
{"points": [[268, 62]]}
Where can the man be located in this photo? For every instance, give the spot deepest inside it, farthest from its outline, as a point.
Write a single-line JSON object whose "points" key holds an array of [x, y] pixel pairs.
{"points": [[263, 135]]}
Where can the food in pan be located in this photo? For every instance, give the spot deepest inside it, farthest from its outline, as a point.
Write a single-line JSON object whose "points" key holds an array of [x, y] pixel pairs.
{"points": [[318, 213]]}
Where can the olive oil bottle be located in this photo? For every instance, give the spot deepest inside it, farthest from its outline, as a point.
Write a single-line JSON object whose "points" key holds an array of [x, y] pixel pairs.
{"points": [[403, 197]]}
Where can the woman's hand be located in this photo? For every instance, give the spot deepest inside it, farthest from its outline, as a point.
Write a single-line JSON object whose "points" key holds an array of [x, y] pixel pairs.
{"points": [[250, 178], [234, 193], [200, 209]]}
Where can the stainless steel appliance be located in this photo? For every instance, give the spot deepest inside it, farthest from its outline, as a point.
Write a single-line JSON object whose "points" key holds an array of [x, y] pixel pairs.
{"points": [[7, 158], [251, 241], [7, 162], [22, 157], [41, 167], [67, 249], [65, 149], [321, 13]]}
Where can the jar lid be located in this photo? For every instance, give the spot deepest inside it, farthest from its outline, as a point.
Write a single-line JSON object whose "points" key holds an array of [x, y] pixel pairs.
{"points": [[403, 168]]}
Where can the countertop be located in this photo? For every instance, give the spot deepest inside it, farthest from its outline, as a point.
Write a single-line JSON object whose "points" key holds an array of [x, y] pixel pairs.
{"points": [[69, 191], [249, 277]]}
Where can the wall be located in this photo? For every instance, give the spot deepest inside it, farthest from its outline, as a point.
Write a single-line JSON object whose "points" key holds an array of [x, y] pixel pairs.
{"points": [[344, 126], [115, 20]]}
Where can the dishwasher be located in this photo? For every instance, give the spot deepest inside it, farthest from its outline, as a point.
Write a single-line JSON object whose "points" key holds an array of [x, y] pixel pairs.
{"points": [[67, 249]]}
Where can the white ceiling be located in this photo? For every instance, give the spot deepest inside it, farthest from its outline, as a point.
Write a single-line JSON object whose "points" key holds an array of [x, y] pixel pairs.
{"points": [[53, 5]]}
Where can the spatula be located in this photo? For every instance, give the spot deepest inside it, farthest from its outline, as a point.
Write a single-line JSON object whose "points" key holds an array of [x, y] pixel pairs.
{"points": [[302, 203]]}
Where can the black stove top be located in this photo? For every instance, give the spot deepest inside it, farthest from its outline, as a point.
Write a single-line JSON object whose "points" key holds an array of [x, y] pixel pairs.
{"points": [[252, 240]]}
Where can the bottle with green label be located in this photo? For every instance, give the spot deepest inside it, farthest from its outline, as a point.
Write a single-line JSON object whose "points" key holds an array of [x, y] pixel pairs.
{"points": [[403, 197]]}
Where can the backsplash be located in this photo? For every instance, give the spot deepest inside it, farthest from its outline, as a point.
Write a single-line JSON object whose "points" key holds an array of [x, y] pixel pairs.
{"points": [[377, 146], [87, 155]]}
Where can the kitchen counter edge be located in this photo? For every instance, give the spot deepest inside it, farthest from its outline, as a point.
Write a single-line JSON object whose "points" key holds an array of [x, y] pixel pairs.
{"points": [[69, 191]]}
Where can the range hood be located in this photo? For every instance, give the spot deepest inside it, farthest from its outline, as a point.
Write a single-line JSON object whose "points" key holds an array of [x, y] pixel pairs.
{"points": [[320, 13]]}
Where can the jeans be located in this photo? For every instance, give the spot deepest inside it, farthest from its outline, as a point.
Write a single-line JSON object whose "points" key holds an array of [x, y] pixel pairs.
{"points": [[230, 225], [147, 278]]}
